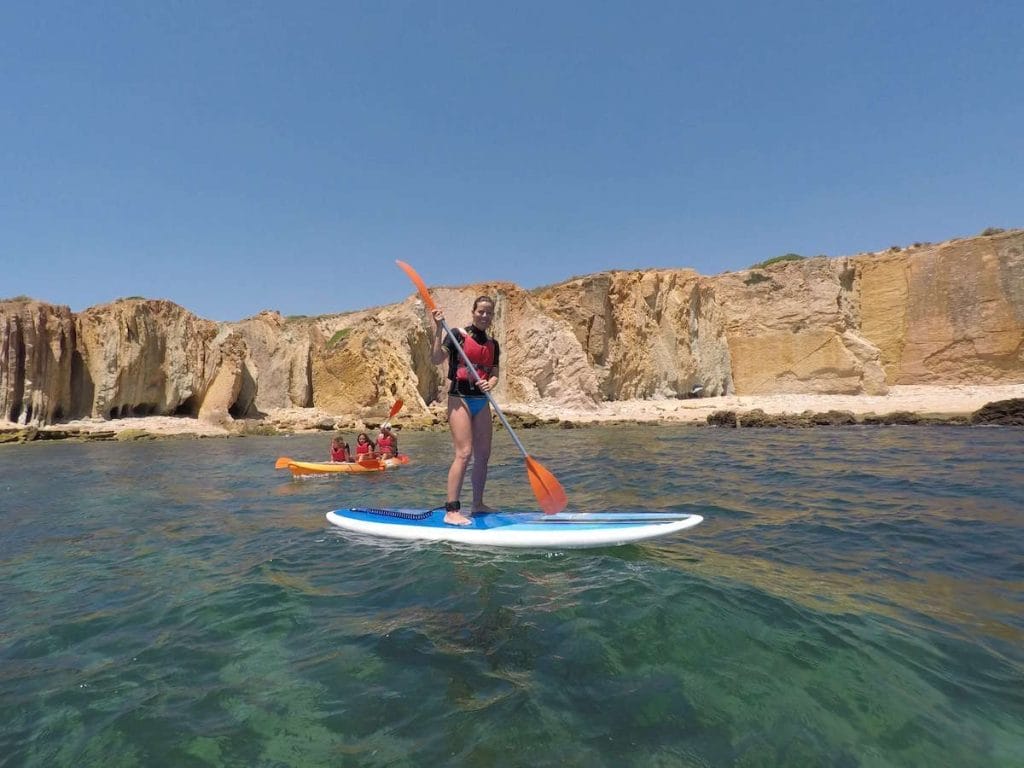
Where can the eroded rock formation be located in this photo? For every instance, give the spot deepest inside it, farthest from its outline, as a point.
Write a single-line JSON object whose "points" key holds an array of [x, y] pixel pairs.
{"points": [[142, 357], [37, 361], [277, 369], [949, 313], [936, 314], [795, 327], [656, 333]]}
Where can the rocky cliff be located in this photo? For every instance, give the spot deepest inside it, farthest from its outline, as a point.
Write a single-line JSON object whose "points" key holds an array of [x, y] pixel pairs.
{"points": [[934, 314]]}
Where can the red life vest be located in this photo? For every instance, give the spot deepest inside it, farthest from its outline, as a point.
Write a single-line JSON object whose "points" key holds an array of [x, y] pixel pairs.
{"points": [[386, 443], [481, 355], [363, 448], [339, 454]]}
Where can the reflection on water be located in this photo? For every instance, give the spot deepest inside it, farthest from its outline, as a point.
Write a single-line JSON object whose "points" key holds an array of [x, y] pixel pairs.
{"points": [[853, 598]]}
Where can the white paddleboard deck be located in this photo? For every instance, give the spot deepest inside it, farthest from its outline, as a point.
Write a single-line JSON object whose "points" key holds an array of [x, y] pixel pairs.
{"points": [[571, 530]]}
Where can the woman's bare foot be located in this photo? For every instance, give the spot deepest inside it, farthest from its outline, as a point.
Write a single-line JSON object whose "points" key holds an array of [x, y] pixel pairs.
{"points": [[456, 518], [482, 509]]}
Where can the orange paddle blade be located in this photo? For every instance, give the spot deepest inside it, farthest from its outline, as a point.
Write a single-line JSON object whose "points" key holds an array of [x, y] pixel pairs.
{"points": [[420, 285], [549, 492], [283, 462], [396, 408]]}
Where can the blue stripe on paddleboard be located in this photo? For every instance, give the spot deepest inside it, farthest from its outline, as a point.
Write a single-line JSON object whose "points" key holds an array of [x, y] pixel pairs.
{"points": [[422, 518]]}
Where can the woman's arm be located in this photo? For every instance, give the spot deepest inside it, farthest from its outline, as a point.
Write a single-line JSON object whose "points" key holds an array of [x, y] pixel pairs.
{"points": [[437, 351]]}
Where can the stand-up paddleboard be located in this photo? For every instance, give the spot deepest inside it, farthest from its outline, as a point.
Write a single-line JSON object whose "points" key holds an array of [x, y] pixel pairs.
{"points": [[303, 468], [569, 530]]}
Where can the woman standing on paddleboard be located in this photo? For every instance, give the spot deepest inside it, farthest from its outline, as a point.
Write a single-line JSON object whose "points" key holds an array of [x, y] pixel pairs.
{"points": [[469, 412]]}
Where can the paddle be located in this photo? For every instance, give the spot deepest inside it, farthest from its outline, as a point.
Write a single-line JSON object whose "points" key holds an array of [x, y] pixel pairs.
{"points": [[394, 409], [549, 492], [283, 462]]}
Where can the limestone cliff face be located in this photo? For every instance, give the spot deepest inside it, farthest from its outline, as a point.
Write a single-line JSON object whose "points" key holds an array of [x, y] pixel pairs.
{"points": [[143, 357], [364, 361], [655, 333], [946, 313], [37, 358], [795, 327], [949, 313], [137, 357], [276, 373], [221, 401], [940, 314]]}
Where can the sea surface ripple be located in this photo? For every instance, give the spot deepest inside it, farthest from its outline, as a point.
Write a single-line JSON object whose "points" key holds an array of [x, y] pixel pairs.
{"points": [[855, 597]]}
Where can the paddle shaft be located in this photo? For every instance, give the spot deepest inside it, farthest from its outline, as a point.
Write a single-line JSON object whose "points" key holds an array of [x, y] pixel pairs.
{"points": [[476, 380]]}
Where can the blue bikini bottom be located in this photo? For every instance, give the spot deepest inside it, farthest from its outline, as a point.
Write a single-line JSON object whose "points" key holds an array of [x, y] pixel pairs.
{"points": [[475, 404]]}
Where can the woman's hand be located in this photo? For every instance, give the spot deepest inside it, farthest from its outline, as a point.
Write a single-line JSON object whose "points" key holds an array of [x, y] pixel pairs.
{"points": [[438, 315], [487, 385]]}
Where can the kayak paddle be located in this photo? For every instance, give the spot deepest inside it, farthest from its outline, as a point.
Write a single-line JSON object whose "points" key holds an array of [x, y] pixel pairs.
{"points": [[549, 492], [394, 409], [283, 462]]}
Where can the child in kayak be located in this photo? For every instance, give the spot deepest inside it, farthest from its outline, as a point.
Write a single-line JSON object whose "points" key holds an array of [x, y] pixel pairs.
{"points": [[340, 450], [364, 448], [387, 443]]}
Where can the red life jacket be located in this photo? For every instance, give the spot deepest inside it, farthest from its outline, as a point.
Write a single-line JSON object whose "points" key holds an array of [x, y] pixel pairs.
{"points": [[481, 355], [363, 448], [386, 443], [341, 454]]}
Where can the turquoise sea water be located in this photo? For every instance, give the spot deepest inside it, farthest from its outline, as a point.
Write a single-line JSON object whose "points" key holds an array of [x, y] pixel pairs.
{"points": [[854, 598]]}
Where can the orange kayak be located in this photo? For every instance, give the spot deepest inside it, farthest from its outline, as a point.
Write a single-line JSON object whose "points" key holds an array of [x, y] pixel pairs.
{"points": [[303, 468]]}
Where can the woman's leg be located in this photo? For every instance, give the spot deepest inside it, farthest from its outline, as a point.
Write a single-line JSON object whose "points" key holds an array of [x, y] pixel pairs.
{"points": [[483, 431], [461, 427]]}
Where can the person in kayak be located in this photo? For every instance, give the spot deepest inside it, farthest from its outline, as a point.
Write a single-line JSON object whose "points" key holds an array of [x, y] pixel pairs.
{"points": [[340, 450], [364, 448], [469, 412], [387, 443]]}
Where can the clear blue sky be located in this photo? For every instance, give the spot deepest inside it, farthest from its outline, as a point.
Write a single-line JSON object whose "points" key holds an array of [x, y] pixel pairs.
{"points": [[234, 157]]}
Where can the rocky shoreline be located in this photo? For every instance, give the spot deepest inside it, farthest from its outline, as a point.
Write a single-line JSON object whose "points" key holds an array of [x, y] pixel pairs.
{"points": [[614, 345], [923, 405]]}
